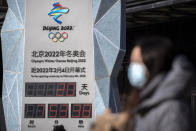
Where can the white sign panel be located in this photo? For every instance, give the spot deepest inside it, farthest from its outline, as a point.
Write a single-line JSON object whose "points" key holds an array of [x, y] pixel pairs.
{"points": [[59, 66]]}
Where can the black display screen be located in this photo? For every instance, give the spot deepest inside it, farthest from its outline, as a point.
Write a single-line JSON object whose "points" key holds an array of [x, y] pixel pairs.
{"points": [[58, 110], [34, 111], [60, 89], [81, 110]]}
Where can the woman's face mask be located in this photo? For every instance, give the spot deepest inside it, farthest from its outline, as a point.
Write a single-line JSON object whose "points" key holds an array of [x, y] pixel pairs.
{"points": [[137, 75]]}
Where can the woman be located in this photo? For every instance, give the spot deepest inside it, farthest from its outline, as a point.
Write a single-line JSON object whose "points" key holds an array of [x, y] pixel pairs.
{"points": [[161, 82]]}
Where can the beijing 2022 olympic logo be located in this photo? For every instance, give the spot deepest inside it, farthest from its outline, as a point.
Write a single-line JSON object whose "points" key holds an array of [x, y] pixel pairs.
{"points": [[55, 37], [57, 11]]}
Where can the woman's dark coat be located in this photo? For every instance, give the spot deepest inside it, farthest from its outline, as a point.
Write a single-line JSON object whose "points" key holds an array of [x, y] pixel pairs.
{"points": [[163, 104]]}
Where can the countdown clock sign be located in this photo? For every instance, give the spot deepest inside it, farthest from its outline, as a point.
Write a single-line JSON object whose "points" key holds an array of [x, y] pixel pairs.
{"points": [[58, 87]]}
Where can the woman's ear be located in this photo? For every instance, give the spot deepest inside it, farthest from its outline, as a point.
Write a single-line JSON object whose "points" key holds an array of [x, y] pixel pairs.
{"points": [[147, 73]]}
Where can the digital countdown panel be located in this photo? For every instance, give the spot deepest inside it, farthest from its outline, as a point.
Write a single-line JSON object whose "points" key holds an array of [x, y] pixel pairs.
{"points": [[58, 111], [81, 110], [61, 89], [58, 77], [35, 110]]}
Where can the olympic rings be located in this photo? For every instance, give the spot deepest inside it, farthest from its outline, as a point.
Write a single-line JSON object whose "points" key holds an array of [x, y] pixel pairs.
{"points": [[55, 37]]}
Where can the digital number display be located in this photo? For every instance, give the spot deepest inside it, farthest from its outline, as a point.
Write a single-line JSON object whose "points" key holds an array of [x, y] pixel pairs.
{"points": [[81, 110], [58, 110], [34, 111], [61, 89]]}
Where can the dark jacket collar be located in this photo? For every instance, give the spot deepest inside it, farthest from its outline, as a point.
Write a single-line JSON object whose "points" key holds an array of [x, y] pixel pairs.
{"points": [[166, 86]]}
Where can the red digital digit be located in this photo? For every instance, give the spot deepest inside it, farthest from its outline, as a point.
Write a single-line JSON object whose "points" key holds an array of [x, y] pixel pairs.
{"points": [[86, 113], [40, 111], [53, 111], [60, 89], [76, 110], [63, 113], [71, 87]]}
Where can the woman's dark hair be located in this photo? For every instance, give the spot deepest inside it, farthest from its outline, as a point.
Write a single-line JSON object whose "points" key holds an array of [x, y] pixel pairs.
{"points": [[157, 53], [59, 128]]}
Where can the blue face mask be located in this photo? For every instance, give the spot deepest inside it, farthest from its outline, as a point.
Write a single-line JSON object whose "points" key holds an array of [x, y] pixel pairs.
{"points": [[137, 75]]}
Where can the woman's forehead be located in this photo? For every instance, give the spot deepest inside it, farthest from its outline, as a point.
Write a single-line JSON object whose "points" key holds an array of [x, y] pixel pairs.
{"points": [[136, 55]]}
